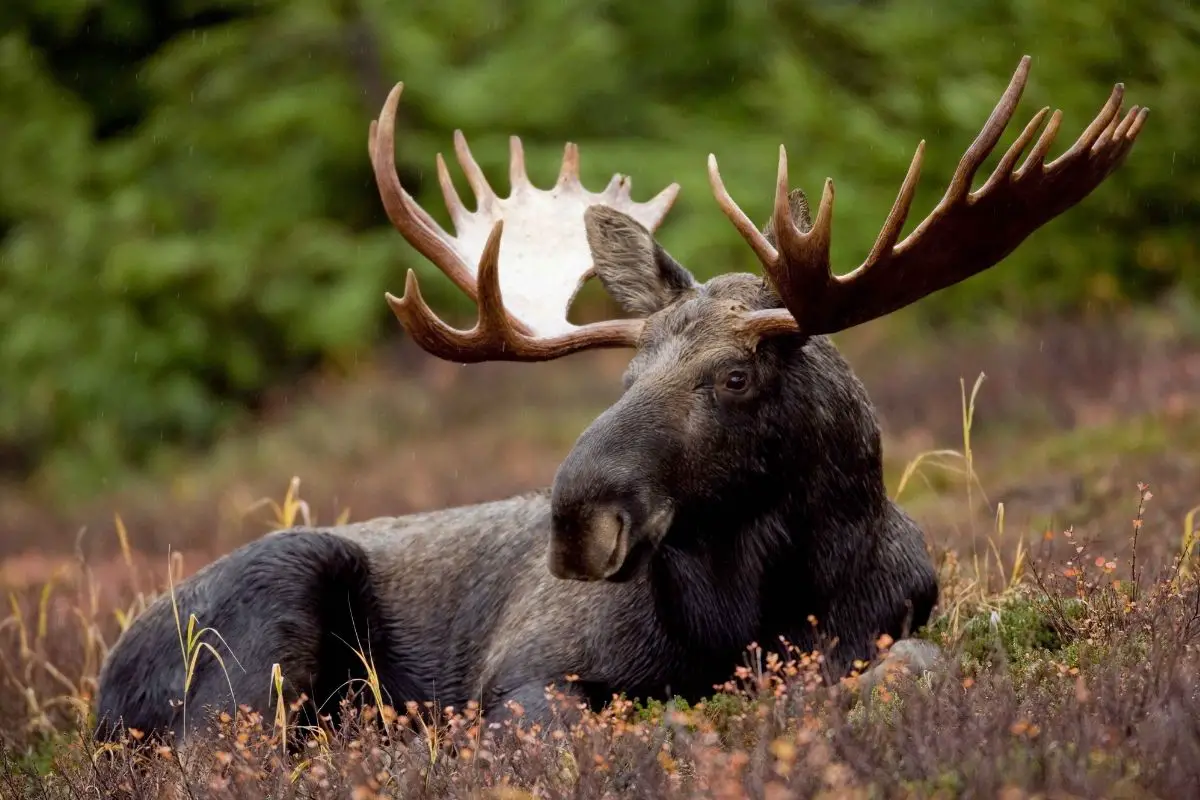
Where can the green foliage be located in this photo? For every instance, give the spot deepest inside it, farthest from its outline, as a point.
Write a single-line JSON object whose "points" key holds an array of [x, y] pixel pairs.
{"points": [[37, 760], [188, 217], [1018, 630]]}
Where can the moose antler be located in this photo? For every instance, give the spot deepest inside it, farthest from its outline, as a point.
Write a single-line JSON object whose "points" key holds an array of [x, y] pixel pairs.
{"points": [[966, 233], [545, 254]]}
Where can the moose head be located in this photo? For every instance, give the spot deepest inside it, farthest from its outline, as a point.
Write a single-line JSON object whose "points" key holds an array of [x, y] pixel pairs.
{"points": [[733, 390]]}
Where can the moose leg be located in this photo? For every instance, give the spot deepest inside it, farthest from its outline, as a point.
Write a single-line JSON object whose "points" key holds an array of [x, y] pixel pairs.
{"points": [[894, 594], [300, 599]]}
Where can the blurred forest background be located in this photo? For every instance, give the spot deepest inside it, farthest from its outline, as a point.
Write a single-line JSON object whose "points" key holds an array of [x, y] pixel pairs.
{"points": [[189, 225]]}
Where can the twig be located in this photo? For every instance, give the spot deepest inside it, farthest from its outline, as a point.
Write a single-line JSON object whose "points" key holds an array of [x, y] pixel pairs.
{"points": [[1143, 496], [1053, 598]]}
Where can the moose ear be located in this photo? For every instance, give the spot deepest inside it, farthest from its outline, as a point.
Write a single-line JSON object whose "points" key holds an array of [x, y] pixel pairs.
{"points": [[634, 268]]}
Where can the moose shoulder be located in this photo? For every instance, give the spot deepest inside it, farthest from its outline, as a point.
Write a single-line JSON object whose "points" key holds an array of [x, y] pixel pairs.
{"points": [[733, 492]]}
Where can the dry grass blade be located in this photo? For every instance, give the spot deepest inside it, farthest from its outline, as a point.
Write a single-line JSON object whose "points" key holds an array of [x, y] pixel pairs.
{"points": [[192, 645]]}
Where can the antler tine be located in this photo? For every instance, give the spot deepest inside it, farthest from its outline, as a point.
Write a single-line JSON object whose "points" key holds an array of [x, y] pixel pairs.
{"points": [[1004, 169], [454, 204], [518, 177], [1134, 116], [1036, 159], [425, 327], [986, 141], [494, 323], [657, 206], [568, 175], [1136, 127], [410, 207], [618, 186], [894, 224], [966, 233], [485, 196], [1093, 132], [416, 226], [753, 236], [800, 269]]}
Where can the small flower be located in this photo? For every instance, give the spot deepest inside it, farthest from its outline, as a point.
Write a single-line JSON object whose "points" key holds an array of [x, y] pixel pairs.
{"points": [[1024, 727]]}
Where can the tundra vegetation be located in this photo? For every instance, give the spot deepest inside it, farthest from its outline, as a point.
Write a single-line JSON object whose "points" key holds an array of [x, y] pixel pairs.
{"points": [[1070, 670], [1068, 596]]}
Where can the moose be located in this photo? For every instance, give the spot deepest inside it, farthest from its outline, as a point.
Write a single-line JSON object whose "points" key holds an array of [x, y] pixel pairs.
{"points": [[732, 494]]}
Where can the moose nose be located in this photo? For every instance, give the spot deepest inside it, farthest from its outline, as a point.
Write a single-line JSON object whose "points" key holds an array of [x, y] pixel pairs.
{"points": [[591, 543], [608, 498]]}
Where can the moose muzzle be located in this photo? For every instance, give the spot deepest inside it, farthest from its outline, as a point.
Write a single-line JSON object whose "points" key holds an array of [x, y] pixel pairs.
{"points": [[607, 503]]}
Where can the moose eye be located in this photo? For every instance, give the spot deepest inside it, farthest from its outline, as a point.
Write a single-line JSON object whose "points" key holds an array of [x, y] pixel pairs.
{"points": [[736, 381]]}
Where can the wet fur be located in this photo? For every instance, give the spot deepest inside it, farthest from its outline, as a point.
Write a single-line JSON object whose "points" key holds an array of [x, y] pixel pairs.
{"points": [[780, 513]]}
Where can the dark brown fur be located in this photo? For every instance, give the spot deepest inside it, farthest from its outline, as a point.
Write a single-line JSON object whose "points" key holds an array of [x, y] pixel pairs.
{"points": [[696, 515]]}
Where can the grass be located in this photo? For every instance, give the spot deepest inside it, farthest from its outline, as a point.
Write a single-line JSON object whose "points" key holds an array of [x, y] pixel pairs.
{"points": [[1072, 681], [192, 646]]}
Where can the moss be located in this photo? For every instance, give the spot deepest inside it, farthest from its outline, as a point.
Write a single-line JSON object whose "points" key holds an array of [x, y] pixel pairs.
{"points": [[38, 759], [947, 784], [1012, 632], [655, 711]]}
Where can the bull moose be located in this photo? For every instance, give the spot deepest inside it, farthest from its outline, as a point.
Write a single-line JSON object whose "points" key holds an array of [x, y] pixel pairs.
{"points": [[731, 494]]}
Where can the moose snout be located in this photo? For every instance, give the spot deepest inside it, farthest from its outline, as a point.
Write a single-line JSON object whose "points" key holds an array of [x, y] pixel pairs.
{"points": [[609, 499], [591, 543], [597, 527]]}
